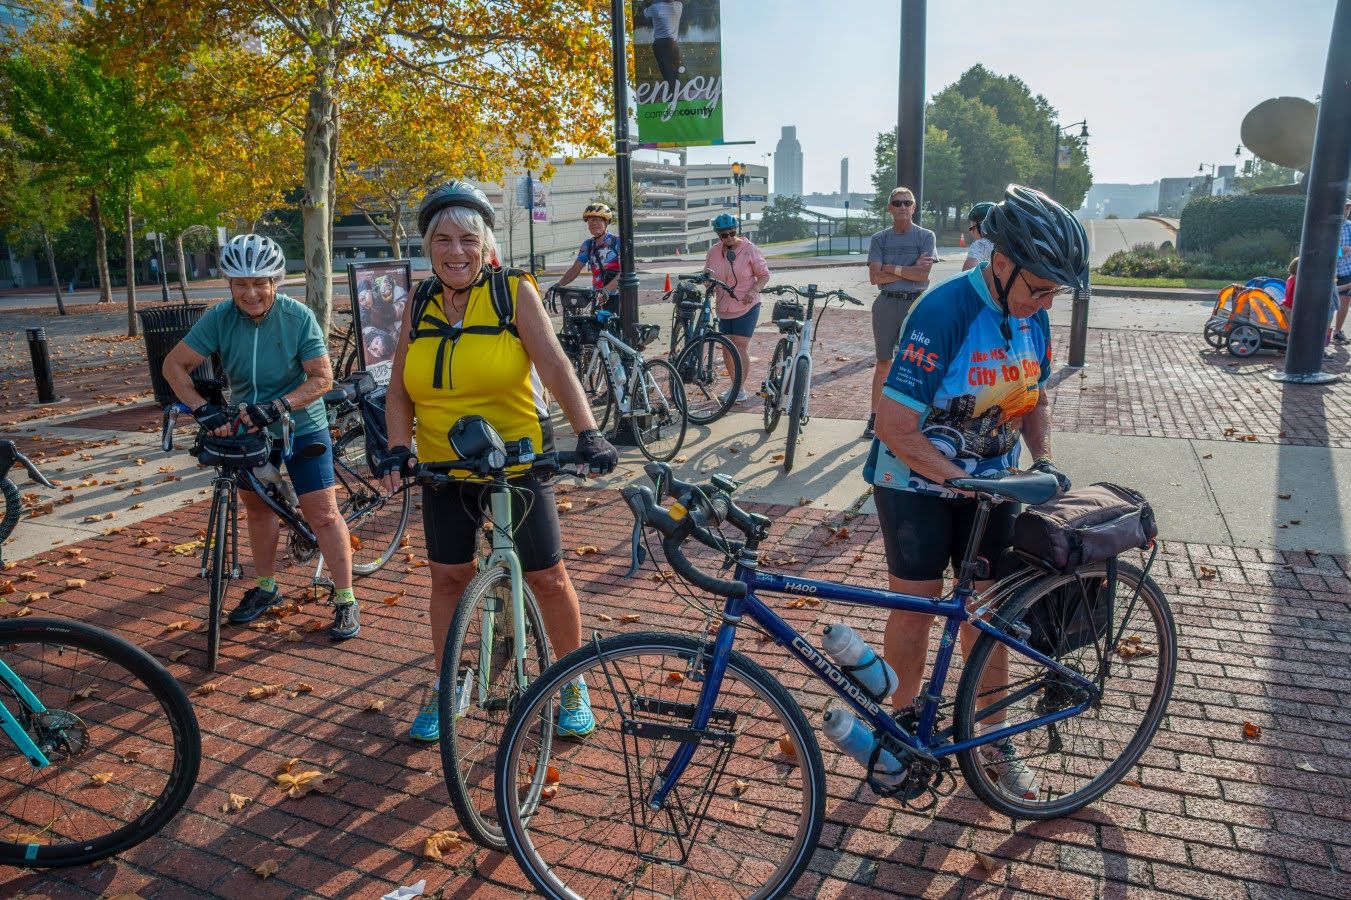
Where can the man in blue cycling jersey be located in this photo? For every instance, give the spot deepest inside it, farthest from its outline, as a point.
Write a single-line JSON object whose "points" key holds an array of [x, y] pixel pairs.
{"points": [[277, 364], [966, 385]]}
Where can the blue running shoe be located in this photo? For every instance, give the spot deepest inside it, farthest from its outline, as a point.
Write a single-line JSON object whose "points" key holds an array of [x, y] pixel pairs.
{"points": [[574, 718], [427, 726]]}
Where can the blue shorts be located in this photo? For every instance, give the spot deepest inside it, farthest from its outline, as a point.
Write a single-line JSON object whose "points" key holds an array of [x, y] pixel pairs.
{"points": [[308, 473], [743, 325]]}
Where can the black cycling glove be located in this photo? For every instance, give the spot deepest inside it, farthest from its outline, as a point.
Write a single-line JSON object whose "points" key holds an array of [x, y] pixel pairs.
{"points": [[599, 454], [397, 459], [211, 416], [263, 414], [1047, 467]]}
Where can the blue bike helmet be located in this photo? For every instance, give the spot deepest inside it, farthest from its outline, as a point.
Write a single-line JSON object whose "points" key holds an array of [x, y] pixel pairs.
{"points": [[724, 222]]}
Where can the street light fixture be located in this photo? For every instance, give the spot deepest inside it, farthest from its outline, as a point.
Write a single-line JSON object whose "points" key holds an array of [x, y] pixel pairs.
{"points": [[1057, 131], [739, 178]]}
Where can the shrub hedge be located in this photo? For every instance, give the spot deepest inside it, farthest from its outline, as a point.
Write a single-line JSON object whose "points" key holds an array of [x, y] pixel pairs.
{"points": [[1146, 262], [1208, 221]]}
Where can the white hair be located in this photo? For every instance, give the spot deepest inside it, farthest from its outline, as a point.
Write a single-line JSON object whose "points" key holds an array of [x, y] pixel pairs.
{"points": [[469, 220]]}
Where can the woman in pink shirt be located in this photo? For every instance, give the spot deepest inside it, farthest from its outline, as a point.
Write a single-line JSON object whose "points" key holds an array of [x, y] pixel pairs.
{"points": [[739, 263]]}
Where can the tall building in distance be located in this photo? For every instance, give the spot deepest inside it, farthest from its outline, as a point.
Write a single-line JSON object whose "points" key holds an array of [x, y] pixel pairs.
{"points": [[788, 163], [844, 177]]}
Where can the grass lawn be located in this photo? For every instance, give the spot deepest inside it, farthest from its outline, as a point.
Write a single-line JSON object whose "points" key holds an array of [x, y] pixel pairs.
{"points": [[1116, 281]]}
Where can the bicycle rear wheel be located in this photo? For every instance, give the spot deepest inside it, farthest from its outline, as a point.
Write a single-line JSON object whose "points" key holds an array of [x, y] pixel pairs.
{"points": [[710, 388], [119, 734], [376, 521], [659, 412], [1071, 763], [742, 822], [797, 412], [472, 724]]}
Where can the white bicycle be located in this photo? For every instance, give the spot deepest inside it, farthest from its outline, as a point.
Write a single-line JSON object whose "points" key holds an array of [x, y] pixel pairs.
{"points": [[788, 385]]}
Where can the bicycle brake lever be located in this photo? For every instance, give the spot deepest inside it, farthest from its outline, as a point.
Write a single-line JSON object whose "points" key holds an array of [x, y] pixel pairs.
{"points": [[32, 470], [637, 552]]}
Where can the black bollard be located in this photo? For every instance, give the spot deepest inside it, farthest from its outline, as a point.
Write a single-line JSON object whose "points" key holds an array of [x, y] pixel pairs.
{"points": [[42, 365], [1079, 328]]}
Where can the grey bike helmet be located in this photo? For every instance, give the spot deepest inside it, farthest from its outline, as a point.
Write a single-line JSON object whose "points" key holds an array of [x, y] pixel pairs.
{"points": [[453, 193], [252, 256], [1039, 235]]}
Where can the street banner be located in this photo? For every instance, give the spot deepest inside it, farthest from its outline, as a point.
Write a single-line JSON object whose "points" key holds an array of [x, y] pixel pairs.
{"points": [[539, 201], [379, 291], [677, 54]]}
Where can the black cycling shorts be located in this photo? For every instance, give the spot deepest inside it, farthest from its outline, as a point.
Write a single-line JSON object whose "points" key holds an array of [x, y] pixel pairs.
{"points": [[923, 534], [453, 514]]}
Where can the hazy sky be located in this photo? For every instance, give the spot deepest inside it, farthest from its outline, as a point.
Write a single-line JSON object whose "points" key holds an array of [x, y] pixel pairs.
{"points": [[1164, 85]]}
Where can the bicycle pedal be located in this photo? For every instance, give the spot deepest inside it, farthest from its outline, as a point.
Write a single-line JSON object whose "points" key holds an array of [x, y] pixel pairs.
{"points": [[322, 590]]}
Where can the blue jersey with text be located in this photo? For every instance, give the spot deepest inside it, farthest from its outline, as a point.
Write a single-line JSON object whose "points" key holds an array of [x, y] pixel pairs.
{"points": [[969, 385]]}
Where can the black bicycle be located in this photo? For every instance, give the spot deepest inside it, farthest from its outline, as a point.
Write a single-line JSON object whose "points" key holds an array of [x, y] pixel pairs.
{"points": [[105, 745], [707, 361], [375, 518]]}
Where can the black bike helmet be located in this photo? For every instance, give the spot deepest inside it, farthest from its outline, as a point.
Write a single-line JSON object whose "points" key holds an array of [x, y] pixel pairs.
{"points": [[453, 193], [1039, 235]]}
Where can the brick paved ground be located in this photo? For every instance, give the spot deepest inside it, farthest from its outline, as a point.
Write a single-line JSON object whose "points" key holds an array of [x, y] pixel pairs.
{"points": [[1208, 813]]}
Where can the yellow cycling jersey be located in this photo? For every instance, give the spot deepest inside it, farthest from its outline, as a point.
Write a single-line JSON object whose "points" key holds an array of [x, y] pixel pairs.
{"points": [[484, 371]]}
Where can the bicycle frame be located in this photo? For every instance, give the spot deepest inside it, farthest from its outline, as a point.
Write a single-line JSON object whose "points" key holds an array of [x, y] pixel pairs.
{"points": [[231, 479], [611, 352], [10, 725], [924, 741]]}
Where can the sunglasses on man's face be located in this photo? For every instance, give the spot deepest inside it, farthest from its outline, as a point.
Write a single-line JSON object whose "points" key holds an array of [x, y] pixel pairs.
{"points": [[902, 202], [726, 234], [1040, 294]]}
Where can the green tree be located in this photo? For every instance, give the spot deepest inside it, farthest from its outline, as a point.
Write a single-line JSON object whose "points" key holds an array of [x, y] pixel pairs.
{"points": [[783, 220], [993, 154], [943, 183], [93, 130], [34, 209], [1259, 173]]}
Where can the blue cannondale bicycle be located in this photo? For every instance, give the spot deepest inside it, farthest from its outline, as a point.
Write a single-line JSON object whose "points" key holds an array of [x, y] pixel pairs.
{"points": [[703, 778], [102, 746]]}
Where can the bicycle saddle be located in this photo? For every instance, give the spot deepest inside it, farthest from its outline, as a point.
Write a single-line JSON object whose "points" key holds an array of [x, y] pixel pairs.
{"points": [[1026, 487], [351, 388]]}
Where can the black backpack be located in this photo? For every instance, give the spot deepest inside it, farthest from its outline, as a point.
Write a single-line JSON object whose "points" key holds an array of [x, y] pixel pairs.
{"points": [[499, 289]]}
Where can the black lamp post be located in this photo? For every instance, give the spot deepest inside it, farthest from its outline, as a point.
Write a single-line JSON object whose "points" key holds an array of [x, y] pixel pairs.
{"points": [[1057, 131], [738, 178]]}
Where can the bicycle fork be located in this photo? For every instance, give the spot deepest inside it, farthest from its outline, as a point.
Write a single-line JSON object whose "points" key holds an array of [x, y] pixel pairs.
{"points": [[503, 554], [11, 726]]}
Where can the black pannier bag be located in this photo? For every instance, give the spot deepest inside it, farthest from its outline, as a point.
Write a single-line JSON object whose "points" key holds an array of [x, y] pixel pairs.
{"points": [[1082, 527], [788, 309], [1073, 616]]}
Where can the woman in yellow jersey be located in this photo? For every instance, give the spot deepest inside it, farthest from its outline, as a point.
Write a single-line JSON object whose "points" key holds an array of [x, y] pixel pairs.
{"points": [[494, 365]]}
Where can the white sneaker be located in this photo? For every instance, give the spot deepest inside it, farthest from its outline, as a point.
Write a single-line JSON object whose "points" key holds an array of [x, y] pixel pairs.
{"points": [[741, 397], [1002, 762]]}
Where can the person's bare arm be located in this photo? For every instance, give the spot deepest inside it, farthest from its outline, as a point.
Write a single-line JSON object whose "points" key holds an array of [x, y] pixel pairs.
{"points": [[898, 427], [881, 273], [570, 274], [970, 263], [541, 345], [318, 380], [178, 367], [1037, 428]]}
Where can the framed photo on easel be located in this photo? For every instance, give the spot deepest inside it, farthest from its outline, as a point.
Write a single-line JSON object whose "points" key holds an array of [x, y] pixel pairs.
{"points": [[380, 290]]}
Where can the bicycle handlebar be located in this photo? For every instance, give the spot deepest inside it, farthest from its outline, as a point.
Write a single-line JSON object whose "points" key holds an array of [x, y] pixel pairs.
{"points": [[9, 455], [494, 463], [811, 294], [706, 278], [173, 410]]}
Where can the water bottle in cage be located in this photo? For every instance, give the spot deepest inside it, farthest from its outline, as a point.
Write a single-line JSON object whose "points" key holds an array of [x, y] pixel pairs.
{"points": [[857, 740], [859, 661]]}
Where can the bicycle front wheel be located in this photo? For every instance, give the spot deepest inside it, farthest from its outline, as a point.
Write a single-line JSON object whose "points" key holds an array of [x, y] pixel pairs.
{"points": [[797, 412], [774, 381], [742, 821], [1054, 770], [376, 520], [218, 532], [659, 418], [711, 371], [118, 732], [473, 716]]}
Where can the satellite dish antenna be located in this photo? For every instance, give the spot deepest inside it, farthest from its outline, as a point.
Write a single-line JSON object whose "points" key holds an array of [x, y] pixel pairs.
{"points": [[1280, 130]]}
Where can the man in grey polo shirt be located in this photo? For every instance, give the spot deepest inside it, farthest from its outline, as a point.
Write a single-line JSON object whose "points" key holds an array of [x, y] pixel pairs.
{"points": [[899, 259]]}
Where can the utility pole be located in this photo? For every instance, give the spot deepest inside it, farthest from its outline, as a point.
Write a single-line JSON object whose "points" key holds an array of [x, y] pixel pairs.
{"points": [[910, 114]]}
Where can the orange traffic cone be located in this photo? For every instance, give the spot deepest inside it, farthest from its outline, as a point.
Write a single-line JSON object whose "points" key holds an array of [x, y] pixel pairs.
{"points": [[667, 289], [961, 240]]}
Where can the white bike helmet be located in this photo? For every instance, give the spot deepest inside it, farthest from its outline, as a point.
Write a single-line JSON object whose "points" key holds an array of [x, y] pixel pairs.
{"points": [[252, 256]]}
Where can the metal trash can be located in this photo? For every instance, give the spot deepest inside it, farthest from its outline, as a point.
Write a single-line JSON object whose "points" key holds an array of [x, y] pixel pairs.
{"points": [[164, 327]]}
